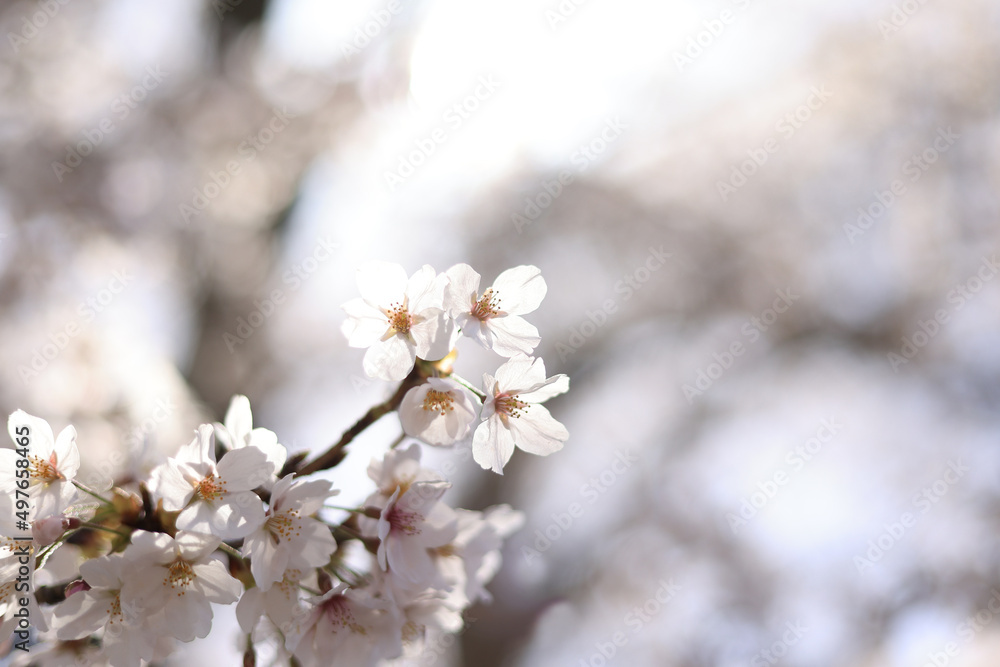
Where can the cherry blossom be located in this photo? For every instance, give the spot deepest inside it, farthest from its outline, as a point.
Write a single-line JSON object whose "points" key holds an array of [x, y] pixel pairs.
{"points": [[237, 432], [398, 319], [176, 577], [512, 414], [493, 317], [52, 464], [212, 498], [438, 412], [345, 628], [126, 640], [288, 537], [412, 522]]}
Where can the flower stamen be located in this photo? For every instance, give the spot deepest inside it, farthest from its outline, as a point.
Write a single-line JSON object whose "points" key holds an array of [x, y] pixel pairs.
{"points": [[488, 306], [439, 401]]}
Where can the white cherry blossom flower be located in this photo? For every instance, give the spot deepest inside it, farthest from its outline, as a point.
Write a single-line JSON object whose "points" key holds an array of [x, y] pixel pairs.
{"points": [[289, 537], [214, 499], [410, 524], [399, 468], [237, 432], [438, 412], [52, 464], [127, 639], [472, 559], [493, 317], [280, 602], [345, 628], [398, 319], [177, 577], [512, 414]]}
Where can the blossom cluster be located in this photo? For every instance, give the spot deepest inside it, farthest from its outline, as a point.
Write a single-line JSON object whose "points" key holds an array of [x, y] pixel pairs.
{"points": [[231, 518]]}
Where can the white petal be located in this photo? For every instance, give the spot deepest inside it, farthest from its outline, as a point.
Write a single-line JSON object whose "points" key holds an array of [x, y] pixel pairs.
{"points": [[150, 548], [239, 419], [520, 373], [213, 581], [269, 562], [521, 289], [381, 283], [105, 572], [81, 614], [553, 386], [537, 432], [267, 441], [233, 516], [39, 432], [391, 359], [463, 287], [492, 445], [308, 495], [316, 543], [512, 335], [364, 325], [244, 469], [195, 546], [433, 335], [249, 609], [67, 454], [188, 617], [169, 483], [412, 415], [425, 289]]}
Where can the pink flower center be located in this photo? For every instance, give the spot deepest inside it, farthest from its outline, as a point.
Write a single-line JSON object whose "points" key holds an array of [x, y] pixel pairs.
{"points": [[338, 612], [439, 401], [508, 405], [404, 521], [399, 318], [488, 306], [44, 471]]}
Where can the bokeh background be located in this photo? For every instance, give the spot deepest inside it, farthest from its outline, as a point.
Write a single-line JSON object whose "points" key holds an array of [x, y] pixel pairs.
{"points": [[743, 210]]}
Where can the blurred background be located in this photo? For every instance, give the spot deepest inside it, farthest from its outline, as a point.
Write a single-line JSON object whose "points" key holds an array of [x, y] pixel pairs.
{"points": [[769, 232]]}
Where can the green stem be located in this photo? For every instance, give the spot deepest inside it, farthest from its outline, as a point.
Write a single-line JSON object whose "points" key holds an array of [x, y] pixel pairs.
{"points": [[97, 526], [230, 550], [468, 385]]}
